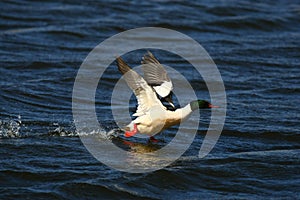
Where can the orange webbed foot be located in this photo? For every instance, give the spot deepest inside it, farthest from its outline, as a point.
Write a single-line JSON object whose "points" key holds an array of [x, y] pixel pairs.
{"points": [[131, 133]]}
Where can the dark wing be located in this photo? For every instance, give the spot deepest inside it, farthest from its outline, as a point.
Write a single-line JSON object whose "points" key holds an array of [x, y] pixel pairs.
{"points": [[157, 77], [154, 73]]}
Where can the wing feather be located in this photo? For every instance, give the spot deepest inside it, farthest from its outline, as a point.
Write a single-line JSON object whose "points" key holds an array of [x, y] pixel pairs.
{"points": [[156, 75], [144, 93]]}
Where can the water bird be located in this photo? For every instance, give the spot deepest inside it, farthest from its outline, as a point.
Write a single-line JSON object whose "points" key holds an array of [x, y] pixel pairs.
{"points": [[152, 116]]}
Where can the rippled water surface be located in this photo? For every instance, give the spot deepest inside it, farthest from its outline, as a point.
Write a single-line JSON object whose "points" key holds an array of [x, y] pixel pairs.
{"points": [[256, 46]]}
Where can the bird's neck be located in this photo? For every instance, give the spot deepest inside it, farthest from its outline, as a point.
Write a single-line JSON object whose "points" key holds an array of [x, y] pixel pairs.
{"points": [[184, 112]]}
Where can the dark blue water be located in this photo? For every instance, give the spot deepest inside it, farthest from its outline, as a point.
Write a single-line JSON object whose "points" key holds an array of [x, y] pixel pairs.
{"points": [[256, 46]]}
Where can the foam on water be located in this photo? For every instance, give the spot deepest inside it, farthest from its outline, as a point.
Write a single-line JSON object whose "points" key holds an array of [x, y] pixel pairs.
{"points": [[10, 128]]}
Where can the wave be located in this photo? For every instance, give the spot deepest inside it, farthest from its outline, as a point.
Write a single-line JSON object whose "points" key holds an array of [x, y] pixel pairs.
{"points": [[243, 23], [287, 136], [11, 129], [283, 91]]}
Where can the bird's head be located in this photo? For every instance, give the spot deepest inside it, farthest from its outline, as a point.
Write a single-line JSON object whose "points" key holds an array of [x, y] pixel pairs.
{"points": [[200, 104]]}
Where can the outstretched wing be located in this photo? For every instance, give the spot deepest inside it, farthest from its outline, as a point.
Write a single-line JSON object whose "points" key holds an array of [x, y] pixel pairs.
{"points": [[156, 75], [145, 95]]}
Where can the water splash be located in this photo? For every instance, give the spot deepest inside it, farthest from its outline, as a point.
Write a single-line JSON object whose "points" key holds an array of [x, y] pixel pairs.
{"points": [[10, 128], [63, 131]]}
